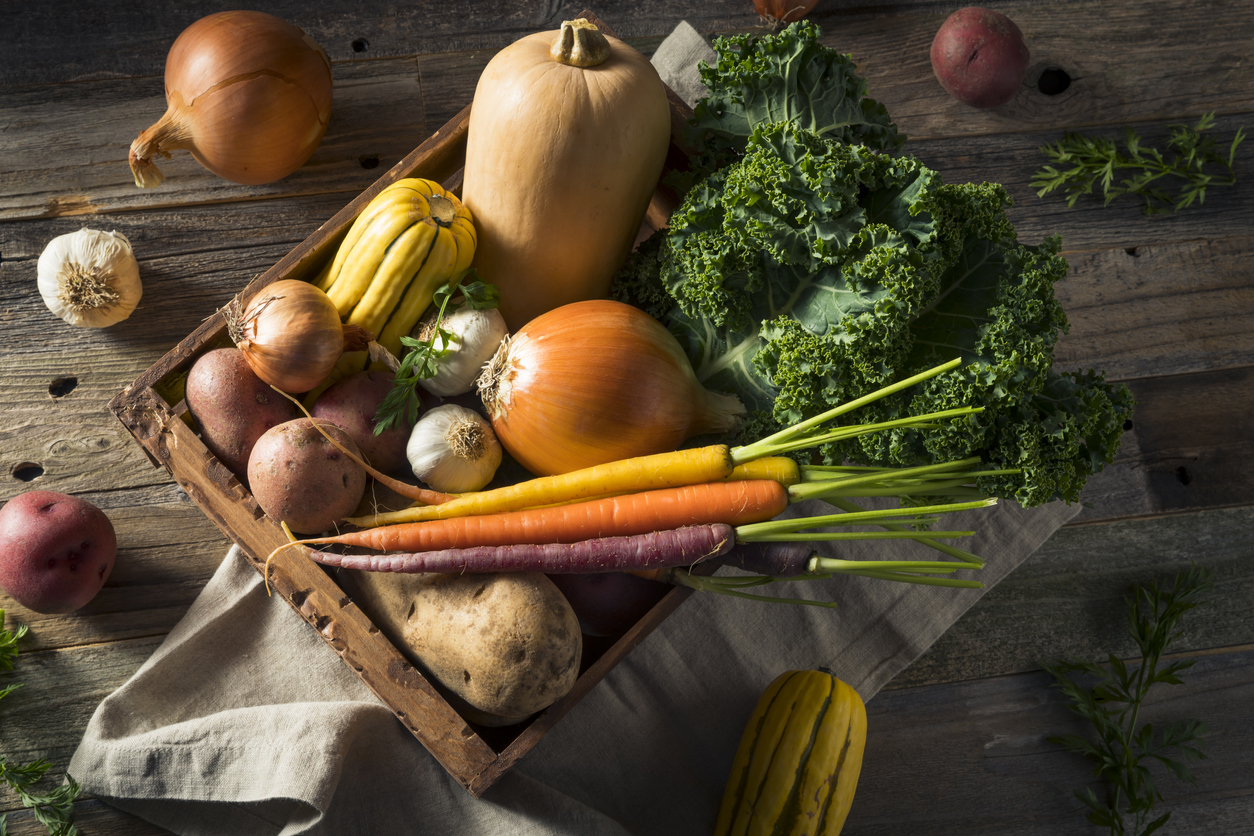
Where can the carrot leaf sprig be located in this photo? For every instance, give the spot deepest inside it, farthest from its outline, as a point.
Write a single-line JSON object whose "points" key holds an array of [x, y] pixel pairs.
{"points": [[423, 358], [54, 809], [1123, 752], [1097, 162]]}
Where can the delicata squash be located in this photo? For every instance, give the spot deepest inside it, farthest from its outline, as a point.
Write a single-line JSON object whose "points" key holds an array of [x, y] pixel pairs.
{"points": [[797, 766], [413, 237]]}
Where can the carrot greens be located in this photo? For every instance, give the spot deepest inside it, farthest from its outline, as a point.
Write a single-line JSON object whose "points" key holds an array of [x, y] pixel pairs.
{"points": [[1124, 751]]}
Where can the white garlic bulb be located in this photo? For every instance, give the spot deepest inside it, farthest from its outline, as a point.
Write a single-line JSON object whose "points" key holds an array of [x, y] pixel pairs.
{"points": [[453, 449], [90, 278], [476, 335]]}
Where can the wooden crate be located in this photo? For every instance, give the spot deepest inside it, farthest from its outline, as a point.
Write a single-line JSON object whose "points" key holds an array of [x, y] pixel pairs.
{"points": [[153, 409]]}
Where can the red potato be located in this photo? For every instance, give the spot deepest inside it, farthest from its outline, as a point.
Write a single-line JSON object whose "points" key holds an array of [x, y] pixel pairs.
{"points": [[979, 57], [56, 551], [299, 477], [232, 406], [351, 404]]}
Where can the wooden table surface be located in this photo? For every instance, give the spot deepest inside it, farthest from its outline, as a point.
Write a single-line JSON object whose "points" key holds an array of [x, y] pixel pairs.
{"points": [[957, 741]]}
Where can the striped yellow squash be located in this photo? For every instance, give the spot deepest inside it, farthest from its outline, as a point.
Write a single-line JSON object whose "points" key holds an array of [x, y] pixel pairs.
{"points": [[411, 238], [797, 766]]}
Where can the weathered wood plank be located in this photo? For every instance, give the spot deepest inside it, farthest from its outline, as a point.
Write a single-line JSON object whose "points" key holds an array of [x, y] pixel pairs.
{"points": [[1011, 159], [377, 118], [1066, 600], [1159, 309], [93, 818], [1190, 447], [973, 756]]}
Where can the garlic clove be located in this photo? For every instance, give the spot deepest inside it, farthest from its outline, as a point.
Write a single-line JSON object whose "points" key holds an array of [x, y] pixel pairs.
{"points": [[90, 278]]}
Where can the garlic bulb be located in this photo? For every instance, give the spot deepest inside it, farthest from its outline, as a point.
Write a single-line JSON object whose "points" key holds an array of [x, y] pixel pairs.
{"points": [[476, 335], [90, 278], [453, 449]]}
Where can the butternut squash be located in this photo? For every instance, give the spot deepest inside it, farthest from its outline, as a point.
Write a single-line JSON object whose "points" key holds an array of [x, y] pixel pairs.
{"points": [[797, 765], [567, 136]]}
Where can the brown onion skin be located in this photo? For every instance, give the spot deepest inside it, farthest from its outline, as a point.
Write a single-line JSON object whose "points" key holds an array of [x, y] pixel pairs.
{"points": [[291, 335], [597, 381], [249, 95]]}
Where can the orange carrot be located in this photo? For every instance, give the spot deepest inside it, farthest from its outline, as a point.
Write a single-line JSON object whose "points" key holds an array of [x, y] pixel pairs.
{"points": [[733, 503]]}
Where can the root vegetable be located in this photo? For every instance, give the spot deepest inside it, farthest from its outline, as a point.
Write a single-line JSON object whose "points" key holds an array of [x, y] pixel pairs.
{"points": [[232, 406], [56, 551], [299, 477], [979, 57], [506, 646], [351, 405]]}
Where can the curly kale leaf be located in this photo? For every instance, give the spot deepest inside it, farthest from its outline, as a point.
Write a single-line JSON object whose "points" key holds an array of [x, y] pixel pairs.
{"points": [[811, 272], [786, 76]]}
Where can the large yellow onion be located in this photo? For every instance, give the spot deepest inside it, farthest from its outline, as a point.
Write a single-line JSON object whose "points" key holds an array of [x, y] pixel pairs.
{"points": [[249, 95], [593, 382]]}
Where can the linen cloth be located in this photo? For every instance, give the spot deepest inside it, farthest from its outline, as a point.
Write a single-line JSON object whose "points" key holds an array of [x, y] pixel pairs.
{"points": [[244, 723]]}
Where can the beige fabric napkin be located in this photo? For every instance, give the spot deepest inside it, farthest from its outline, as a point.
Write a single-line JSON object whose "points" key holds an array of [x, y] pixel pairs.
{"points": [[244, 723]]}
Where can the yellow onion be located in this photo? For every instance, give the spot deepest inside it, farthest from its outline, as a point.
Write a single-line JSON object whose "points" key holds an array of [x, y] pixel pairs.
{"points": [[291, 335], [593, 382], [249, 95]]}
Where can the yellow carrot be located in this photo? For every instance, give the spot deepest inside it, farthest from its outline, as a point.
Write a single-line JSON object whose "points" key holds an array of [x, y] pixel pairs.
{"points": [[662, 470]]}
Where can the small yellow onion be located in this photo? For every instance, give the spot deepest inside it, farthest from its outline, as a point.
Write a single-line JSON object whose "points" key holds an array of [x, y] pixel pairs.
{"points": [[291, 335], [593, 382], [249, 95]]}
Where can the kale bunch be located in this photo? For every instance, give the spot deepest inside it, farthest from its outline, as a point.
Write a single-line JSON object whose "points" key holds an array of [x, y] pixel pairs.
{"points": [[811, 272]]}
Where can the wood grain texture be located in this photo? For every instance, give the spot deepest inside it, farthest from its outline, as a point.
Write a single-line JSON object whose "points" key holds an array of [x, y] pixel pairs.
{"points": [[1161, 303], [973, 757]]}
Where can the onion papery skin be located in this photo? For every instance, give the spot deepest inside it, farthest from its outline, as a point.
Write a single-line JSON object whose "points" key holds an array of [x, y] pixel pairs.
{"points": [[291, 335], [594, 382], [248, 94]]}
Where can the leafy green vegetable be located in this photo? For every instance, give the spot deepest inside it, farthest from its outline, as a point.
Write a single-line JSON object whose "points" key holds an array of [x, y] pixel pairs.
{"points": [[423, 358], [1097, 162], [811, 272], [1123, 752], [785, 76], [53, 809]]}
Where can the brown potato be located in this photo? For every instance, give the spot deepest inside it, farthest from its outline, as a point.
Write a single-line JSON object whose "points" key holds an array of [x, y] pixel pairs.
{"points": [[507, 644], [299, 477], [232, 406]]}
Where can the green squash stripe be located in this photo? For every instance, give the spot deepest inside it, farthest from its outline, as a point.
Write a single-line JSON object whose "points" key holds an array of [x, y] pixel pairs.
{"points": [[835, 777], [742, 784], [791, 811]]}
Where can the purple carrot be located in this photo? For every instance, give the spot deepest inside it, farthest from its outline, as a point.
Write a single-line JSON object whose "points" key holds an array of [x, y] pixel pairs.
{"points": [[777, 559], [659, 550]]}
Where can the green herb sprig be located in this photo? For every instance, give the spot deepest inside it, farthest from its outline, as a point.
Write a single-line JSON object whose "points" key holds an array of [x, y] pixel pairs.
{"points": [[1124, 752], [423, 358], [1091, 162], [53, 809]]}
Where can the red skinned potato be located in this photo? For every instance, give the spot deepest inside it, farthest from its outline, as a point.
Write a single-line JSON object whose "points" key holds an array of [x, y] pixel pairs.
{"points": [[299, 477], [979, 57], [232, 406], [56, 551], [351, 405]]}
